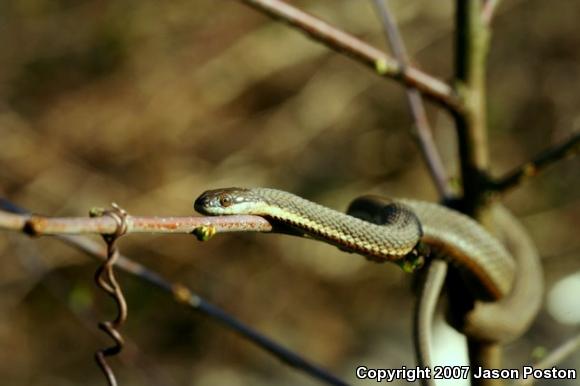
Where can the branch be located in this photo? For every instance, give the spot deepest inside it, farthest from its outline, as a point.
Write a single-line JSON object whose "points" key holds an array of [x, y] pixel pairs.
{"points": [[202, 227], [360, 51], [567, 148], [555, 357], [471, 46], [423, 131], [180, 293], [472, 41]]}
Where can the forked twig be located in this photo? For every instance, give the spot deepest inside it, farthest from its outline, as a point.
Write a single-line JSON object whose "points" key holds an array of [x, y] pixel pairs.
{"points": [[423, 132], [567, 148], [362, 52]]}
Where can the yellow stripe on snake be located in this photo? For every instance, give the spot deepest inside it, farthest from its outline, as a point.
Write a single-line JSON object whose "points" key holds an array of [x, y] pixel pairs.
{"points": [[486, 265]]}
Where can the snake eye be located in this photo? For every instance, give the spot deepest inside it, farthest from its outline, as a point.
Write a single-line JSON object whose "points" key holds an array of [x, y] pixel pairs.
{"points": [[225, 200]]}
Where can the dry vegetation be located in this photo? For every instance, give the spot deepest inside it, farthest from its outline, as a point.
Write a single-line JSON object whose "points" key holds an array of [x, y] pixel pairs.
{"points": [[149, 103]]}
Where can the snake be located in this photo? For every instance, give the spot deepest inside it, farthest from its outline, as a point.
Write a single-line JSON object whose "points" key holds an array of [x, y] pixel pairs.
{"points": [[506, 289], [402, 228]]}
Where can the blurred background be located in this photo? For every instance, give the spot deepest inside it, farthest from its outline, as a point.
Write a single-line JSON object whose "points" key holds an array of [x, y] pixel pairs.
{"points": [[149, 103]]}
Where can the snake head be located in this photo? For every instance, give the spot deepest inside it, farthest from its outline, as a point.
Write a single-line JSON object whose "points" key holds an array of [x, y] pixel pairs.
{"points": [[222, 201]]}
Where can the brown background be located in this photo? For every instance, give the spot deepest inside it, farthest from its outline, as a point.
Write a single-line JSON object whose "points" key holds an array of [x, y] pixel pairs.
{"points": [[149, 103]]}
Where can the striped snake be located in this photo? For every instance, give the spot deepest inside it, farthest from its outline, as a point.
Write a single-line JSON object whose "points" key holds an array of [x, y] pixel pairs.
{"points": [[506, 299], [405, 225]]}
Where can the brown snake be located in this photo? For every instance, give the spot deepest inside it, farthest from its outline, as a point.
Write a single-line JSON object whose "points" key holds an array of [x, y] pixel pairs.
{"points": [[384, 230], [486, 265]]}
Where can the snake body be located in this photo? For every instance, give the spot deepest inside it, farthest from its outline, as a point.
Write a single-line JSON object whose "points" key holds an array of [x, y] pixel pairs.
{"points": [[486, 265]]}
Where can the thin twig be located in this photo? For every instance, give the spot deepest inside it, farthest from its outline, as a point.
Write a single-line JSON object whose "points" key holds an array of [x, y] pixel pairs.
{"points": [[360, 51], [567, 148], [423, 131], [42, 225], [187, 297], [557, 356]]}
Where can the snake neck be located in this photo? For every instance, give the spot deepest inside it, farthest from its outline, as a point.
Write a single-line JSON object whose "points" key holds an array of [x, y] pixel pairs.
{"points": [[392, 241]]}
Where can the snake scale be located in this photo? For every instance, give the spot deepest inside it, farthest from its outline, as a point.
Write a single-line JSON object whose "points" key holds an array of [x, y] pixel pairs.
{"points": [[405, 225]]}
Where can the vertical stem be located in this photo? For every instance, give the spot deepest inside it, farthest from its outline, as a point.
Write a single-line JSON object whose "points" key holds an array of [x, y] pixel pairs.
{"points": [[472, 41], [488, 356]]}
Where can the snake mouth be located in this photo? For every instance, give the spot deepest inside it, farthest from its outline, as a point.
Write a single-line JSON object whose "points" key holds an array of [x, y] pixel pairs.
{"points": [[201, 203], [208, 202]]}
